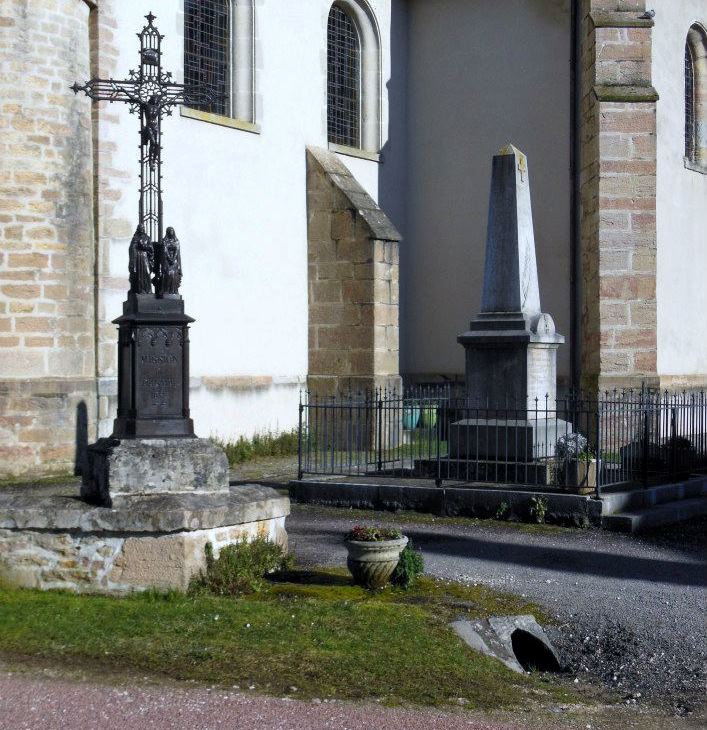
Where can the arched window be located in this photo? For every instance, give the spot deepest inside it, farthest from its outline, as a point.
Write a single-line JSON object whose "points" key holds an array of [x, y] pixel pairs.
{"points": [[219, 49], [207, 49], [343, 79], [696, 98], [353, 76]]}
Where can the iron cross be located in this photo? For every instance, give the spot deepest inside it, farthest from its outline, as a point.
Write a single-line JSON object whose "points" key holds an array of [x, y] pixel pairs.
{"points": [[151, 93]]}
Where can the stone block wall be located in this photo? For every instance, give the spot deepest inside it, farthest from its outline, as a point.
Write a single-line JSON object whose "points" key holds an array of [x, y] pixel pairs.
{"points": [[47, 337], [118, 563], [353, 283], [618, 196]]}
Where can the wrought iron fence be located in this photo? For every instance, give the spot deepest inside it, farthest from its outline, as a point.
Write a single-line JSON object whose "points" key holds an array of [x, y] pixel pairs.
{"points": [[574, 443]]}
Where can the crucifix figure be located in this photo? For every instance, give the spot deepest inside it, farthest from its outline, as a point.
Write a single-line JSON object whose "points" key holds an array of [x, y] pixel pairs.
{"points": [[151, 92]]}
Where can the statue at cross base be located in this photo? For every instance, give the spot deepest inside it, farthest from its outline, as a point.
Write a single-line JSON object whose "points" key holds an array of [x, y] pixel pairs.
{"points": [[153, 339]]}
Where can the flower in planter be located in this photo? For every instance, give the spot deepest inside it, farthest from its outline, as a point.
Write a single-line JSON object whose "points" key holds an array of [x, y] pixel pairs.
{"points": [[373, 534], [572, 446], [374, 553]]}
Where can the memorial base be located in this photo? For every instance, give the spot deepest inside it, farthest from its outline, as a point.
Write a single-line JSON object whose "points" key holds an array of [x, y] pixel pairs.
{"points": [[153, 541], [507, 440], [142, 466]]}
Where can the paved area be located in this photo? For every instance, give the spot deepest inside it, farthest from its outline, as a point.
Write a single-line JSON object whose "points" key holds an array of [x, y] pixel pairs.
{"points": [[631, 611], [34, 704]]}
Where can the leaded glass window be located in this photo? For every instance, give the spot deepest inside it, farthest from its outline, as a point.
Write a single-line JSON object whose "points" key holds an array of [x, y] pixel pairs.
{"points": [[343, 79], [207, 49], [690, 142]]}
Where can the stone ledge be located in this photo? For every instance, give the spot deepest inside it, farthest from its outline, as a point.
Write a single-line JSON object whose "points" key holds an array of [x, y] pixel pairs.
{"points": [[144, 514], [627, 94], [620, 19], [119, 563], [381, 228]]}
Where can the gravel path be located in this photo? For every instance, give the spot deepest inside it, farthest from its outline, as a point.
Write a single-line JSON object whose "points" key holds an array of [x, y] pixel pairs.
{"points": [[631, 610], [34, 704]]}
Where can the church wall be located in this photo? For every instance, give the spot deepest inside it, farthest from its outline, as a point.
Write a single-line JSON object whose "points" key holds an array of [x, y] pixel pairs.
{"points": [[47, 347], [681, 202], [481, 75], [237, 200]]}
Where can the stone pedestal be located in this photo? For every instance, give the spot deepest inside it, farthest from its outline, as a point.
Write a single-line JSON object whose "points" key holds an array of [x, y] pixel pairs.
{"points": [[153, 368], [153, 494], [118, 468], [511, 363], [144, 541], [506, 439]]}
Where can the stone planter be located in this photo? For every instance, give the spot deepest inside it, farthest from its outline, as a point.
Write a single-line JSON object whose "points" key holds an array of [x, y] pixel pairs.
{"points": [[577, 475], [372, 563]]}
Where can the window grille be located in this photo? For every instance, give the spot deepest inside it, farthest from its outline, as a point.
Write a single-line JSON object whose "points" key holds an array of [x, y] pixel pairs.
{"points": [[690, 130], [207, 49], [343, 79]]}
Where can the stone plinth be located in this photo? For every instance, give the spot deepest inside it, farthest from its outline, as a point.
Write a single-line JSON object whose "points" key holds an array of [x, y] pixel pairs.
{"points": [[506, 439], [140, 466], [147, 541]]}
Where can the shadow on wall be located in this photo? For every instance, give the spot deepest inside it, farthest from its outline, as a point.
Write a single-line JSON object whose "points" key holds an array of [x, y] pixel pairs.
{"points": [[392, 172], [81, 452]]}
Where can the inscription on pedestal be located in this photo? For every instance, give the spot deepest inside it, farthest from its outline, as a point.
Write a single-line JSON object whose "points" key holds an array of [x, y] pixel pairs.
{"points": [[159, 367]]}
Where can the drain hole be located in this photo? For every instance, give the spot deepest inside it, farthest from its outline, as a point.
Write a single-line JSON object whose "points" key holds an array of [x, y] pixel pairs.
{"points": [[532, 654]]}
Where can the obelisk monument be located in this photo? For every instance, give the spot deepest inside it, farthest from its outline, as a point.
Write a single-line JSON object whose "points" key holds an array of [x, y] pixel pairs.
{"points": [[511, 345]]}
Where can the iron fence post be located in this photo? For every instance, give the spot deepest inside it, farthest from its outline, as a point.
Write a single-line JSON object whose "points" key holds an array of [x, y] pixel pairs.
{"points": [[299, 440], [438, 432], [379, 407], [597, 488], [646, 449]]}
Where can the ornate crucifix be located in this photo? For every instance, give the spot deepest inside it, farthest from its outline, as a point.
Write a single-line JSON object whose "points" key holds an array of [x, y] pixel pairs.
{"points": [[150, 92], [153, 334]]}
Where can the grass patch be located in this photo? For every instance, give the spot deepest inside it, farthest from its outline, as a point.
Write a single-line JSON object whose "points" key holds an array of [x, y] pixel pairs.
{"points": [[313, 631], [260, 446]]}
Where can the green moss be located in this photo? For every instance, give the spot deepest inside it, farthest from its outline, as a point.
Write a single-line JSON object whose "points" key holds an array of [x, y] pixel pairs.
{"points": [[62, 478], [626, 94], [313, 631]]}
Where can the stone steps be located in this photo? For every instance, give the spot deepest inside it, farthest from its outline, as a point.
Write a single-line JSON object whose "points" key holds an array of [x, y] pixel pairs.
{"points": [[641, 509], [657, 516], [634, 499]]}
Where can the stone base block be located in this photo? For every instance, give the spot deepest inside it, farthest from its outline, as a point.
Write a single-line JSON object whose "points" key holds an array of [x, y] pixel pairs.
{"points": [[506, 439], [144, 466], [142, 542]]}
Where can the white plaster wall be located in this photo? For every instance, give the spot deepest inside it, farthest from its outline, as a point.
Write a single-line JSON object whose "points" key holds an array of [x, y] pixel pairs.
{"points": [[681, 203], [481, 74], [238, 203]]}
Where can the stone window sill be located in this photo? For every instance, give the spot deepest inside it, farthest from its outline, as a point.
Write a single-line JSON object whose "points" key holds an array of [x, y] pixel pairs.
{"points": [[700, 167], [355, 152], [219, 119]]}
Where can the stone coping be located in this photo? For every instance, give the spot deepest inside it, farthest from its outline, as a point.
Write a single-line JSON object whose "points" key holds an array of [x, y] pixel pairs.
{"points": [[620, 19], [151, 513]]}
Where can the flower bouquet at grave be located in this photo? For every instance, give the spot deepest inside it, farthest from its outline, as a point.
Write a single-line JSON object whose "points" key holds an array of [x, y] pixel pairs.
{"points": [[576, 466]]}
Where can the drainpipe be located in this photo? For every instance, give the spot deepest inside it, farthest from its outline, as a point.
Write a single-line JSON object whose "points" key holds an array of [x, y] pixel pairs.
{"points": [[575, 197]]}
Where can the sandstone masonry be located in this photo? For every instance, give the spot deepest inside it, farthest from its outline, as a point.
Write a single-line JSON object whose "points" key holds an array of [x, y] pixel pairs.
{"points": [[353, 283], [47, 287], [618, 191]]}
